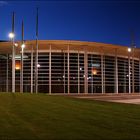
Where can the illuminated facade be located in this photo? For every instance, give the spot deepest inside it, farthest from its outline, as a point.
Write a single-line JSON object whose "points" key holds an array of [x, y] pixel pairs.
{"points": [[73, 67]]}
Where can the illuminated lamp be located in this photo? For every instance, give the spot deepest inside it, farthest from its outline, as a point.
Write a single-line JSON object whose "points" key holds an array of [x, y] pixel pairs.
{"points": [[94, 72], [129, 49], [11, 35], [17, 65]]}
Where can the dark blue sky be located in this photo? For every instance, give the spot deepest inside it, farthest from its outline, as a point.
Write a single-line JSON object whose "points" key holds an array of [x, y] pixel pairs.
{"points": [[99, 21]]}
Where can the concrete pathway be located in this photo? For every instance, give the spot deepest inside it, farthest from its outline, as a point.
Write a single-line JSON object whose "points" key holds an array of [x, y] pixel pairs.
{"points": [[123, 98]]}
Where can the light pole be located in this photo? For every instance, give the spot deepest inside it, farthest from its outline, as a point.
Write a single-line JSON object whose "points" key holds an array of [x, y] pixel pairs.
{"points": [[22, 54], [129, 70], [36, 55], [21, 80], [133, 47], [11, 36], [32, 68]]}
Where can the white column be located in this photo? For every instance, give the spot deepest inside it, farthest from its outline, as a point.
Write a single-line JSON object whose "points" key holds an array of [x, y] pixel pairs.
{"points": [[50, 61], [86, 71], [78, 74], [139, 75], [102, 73], [124, 90], [21, 72], [64, 74], [129, 73], [7, 74], [13, 68], [68, 68], [36, 67], [21, 61], [31, 69], [92, 75], [36, 56], [116, 73], [13, 54], [133, 84]]}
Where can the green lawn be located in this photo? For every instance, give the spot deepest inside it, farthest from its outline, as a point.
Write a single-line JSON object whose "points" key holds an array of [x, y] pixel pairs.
{"points": [[26, 116]]}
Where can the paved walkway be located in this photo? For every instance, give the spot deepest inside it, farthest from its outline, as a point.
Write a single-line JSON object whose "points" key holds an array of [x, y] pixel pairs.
{"points": [[123, 98]]}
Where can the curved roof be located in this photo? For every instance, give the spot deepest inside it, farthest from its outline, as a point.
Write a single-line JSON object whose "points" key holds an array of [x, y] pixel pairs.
{"points": [[43, 45]]}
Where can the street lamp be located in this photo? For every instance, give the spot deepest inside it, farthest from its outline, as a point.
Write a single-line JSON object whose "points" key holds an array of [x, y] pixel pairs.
{"points": [[129, 70], [16, 44], [38, 65], [11, 36], [129, 49], [22, 54], [22, 46]]}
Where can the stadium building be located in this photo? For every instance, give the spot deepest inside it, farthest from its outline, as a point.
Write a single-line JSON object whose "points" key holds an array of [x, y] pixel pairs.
{"points": [[71, 67]]}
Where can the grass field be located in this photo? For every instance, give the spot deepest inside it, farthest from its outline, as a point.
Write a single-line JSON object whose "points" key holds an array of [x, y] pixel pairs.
{"points": [[56, 117]]}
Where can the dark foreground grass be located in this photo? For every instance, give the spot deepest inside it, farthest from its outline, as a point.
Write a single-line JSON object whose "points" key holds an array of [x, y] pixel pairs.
{"points": [[55, 117]]}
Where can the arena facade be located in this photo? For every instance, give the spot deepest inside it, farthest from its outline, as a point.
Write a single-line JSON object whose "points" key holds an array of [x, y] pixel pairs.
{"points": [[72, 67]]}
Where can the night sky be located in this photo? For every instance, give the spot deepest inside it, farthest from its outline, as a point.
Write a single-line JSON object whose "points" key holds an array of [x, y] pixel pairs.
{"points": [[98, 21]]}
